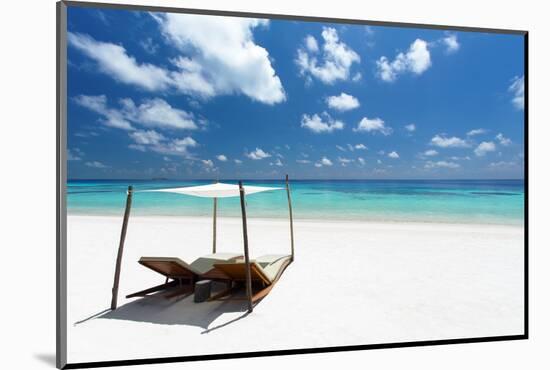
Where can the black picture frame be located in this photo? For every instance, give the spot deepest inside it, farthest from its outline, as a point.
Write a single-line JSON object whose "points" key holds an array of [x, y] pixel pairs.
{"points": [[61, 177]]}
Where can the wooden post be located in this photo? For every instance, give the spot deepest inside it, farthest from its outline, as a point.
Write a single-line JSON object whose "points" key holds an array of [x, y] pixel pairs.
{"points": [[214, 222], [214, 226], [291, 221], [121, 247], [246, 257]]}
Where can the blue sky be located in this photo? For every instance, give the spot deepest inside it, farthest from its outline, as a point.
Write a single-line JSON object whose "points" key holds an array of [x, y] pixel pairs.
{"points": [[192, 96]]}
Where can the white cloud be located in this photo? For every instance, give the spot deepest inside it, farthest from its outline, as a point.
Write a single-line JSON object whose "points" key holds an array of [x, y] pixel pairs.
{"points": [[449, 142], [316, 124], [477, 131], [311, 44], [221, 158], [416, 60], [484, 148], [341, 148], [151, 140], [457, 158], [373, 125], [149, 46], [361, 160], [113, 60], [451, 42], [151, 113], [224, 56], [504, 141], [336, 60], [258, 154], [378, 161], [344, 161], [86, 134], [410, 127], [157, 113], [342, 102], [190, 79], [111, 117], [74, 155], [218, 57], [207, 163], [101, 16], [150, 137], [360, 147], [237, 161], [138, 147], [96, 164], [430, 153], [503, 164], [324, 162], [276, 163], [441, 164], [393, 155], [177, 146], [517, 88], [303, 161], [369, 31]]}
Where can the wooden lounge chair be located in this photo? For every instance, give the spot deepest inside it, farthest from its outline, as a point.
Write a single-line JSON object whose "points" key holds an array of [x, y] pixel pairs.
{"points": [[265, 271], [183, 275]]}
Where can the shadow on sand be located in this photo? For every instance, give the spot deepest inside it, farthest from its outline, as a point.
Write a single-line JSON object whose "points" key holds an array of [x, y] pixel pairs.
{"points": [[181, 310], [46, 358]]}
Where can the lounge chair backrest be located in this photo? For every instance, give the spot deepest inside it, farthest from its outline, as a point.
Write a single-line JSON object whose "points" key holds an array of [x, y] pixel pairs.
{"points": [[272, 265], [175, 267], [169, 266], [274, 268], [206, 263]]}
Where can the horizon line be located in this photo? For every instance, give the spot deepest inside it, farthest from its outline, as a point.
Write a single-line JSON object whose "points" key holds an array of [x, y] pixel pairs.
{"points": [[295, 179]]}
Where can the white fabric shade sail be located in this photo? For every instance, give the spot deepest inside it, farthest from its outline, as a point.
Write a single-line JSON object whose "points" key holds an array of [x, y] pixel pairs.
{"points": [[217, 190]]}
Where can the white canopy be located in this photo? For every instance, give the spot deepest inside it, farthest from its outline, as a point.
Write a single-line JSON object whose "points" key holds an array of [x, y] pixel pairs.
{"points": [[217, 190]]}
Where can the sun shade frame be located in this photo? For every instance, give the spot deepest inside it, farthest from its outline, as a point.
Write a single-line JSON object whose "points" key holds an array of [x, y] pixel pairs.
{"points": [[214, 191]]}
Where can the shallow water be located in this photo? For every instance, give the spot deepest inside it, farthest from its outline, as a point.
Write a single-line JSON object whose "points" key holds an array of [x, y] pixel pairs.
{"points": [[461, 201]]}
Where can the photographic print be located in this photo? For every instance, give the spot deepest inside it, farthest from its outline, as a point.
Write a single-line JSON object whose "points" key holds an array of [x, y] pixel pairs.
{"points": [[241, 185]]}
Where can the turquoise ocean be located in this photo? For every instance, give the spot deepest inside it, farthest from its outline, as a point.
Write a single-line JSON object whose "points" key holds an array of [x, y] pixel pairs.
{"points": [[455, 201]]}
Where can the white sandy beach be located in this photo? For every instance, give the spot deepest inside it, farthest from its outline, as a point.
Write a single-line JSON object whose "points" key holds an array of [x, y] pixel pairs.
{"points": [[351, 283]]}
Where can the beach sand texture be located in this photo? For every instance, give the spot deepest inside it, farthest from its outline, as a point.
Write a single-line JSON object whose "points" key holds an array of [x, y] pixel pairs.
{"points": [[351, 283]]}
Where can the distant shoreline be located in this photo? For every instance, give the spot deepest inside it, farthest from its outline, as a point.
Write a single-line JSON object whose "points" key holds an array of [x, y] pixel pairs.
{"points": [[299, 219]]}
